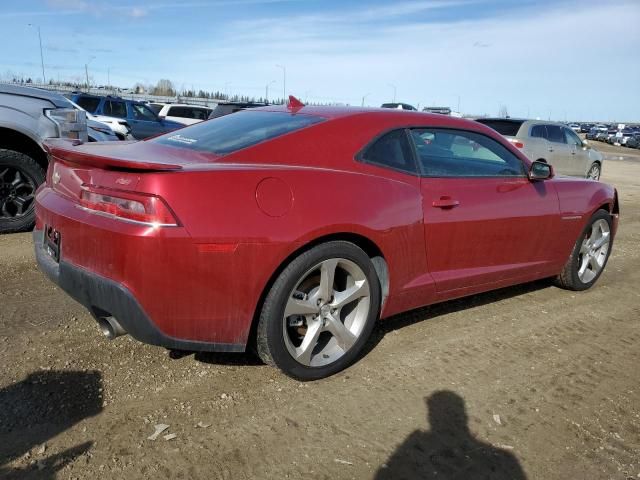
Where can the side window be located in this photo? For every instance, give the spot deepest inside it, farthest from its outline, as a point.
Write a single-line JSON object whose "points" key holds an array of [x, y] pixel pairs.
{"points": [[114, 109], [572, 139], [90, 104], [555, 134], [539, 131], [178, 112], [393, 151], [459, 153], [142, 112]]}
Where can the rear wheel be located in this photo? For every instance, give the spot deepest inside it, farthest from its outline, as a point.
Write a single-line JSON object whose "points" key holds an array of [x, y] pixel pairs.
{"points": [[594, 171], [319, 312], [590, 254], [20, 176]]}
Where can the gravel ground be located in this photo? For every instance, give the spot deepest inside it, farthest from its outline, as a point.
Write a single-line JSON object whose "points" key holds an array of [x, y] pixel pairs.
{"points": [[526, 382]]}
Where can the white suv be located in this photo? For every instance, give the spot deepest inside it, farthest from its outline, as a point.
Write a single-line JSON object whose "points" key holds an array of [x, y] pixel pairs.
{"points": [[181, 112]]}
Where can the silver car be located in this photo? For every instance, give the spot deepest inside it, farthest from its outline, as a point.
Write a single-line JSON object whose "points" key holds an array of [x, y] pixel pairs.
{"points": [[551, 142]]}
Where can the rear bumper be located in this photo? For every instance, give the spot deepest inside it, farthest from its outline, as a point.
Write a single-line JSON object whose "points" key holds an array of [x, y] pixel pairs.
{"points": [[101, 295]]}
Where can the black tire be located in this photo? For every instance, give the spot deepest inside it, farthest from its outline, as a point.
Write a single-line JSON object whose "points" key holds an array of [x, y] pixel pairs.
{"points": [[270, 344], [597, 169], [14, 217], [568, 278]]}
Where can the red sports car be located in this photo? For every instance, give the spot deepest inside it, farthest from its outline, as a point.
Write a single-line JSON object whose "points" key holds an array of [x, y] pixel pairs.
{"points": [[293, 229]]}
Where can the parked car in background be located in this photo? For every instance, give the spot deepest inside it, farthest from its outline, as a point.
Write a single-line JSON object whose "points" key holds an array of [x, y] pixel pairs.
{"points": [[225, 108], [416, 215], [181, 112], [143, 121], [592, 134], [586, 127], [602, 136], [575, 127], [550, 142], [399, 106], [28, 116], [118, 126], [634, 141]]}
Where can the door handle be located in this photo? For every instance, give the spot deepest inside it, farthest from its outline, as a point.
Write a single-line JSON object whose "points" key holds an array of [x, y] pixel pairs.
{"points": [[445, 202], [551, 149]]}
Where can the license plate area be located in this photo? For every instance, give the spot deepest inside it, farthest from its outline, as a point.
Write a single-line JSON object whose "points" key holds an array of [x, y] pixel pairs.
{"points": [[52, 240]]}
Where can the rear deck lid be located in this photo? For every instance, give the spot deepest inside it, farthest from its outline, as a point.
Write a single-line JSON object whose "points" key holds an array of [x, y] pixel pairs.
{"points": [[131, 156]]}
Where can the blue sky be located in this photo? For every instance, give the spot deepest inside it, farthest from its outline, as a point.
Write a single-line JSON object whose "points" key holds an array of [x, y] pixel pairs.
{"points": [[577, 59]]}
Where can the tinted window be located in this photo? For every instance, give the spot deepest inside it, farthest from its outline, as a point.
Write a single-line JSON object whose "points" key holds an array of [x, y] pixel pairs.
{"points": [[554, 134], [142, 112], [391, 150], [188, 112], [90, 104], [114, 109], [571, 138], [233, 132], [503, 127], [155, 107], [539, 131], [457, 153]]}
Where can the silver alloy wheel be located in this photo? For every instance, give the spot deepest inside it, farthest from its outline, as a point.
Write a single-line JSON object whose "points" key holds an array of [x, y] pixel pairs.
{"points": [[593, 251], [326, 312], [594, 172]]}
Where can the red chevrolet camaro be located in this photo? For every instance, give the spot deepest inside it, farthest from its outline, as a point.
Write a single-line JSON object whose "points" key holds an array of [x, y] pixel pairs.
{"points": [[293, 229]]}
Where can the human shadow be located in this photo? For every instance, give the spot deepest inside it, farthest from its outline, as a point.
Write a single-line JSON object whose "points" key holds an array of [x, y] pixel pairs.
{"points": [[37, 409], [449, 451]]}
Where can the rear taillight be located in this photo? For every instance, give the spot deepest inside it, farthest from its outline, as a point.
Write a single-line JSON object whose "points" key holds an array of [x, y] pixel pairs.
{"points": [[516, 143], [134, 207]]}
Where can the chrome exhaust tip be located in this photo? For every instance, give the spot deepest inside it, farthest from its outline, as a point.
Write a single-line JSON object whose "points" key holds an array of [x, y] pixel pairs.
{"points": [[110, 327]]}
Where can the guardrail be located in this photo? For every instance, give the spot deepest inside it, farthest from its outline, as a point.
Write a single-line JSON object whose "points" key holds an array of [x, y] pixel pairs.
{"points": [[65, 89]]}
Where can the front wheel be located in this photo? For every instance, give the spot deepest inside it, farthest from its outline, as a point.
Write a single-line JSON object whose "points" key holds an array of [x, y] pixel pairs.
{"points": [[594, 172], [319, 312], [20, 176], [590, 254]]}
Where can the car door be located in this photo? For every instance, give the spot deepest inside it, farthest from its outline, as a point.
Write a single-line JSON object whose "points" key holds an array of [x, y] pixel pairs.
{"points": [[144, 123], [580, 161], [485, 222], [114, 108], [560, 157]]}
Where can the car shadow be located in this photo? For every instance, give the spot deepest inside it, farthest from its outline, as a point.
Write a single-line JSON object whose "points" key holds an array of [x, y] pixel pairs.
{"points": [[383, 327], [449, 450], [422, 314], [38, 408]]}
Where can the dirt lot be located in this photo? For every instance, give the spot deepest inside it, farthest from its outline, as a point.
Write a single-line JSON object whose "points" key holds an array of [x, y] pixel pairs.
{"points": [[528, 382]]}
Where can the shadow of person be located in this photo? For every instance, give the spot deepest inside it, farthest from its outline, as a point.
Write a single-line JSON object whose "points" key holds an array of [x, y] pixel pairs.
{"points": [[449, 450], [37, 409]]}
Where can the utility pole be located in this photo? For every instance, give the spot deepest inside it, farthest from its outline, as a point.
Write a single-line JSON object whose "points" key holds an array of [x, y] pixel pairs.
{"points": [[86, 70], [284, 82], [395, 91], [44, 80], [266, 90], [363, 97]]}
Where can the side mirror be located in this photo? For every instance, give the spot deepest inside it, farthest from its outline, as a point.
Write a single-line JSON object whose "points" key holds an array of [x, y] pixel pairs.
{"points": [[585, 144], [540, 171]]}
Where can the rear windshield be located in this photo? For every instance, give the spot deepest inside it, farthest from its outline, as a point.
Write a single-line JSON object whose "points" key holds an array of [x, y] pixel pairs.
{"points": [[508, 128], [238, 130]]}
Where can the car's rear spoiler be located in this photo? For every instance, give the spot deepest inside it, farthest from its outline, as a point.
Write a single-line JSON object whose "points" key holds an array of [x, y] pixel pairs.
{"points": [[75, 151]]}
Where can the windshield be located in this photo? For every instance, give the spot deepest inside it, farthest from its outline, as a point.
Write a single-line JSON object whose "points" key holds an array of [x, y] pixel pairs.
{"points": [[238, 130]]}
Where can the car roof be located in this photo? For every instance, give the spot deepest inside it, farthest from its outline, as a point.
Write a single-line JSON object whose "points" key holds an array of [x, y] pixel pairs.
{"points": [[393, 117], [57, 99], [181, 105]]}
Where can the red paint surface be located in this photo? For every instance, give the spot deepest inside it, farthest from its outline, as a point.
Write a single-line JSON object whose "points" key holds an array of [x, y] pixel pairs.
{"points": [[203, 280]]}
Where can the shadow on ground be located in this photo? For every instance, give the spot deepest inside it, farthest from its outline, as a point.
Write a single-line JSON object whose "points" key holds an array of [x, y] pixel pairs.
{"points": [[387, 325], [406, 319], [448, 450], [37, 409]]}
